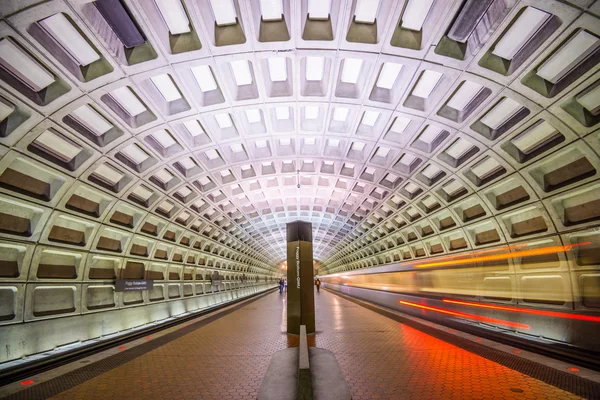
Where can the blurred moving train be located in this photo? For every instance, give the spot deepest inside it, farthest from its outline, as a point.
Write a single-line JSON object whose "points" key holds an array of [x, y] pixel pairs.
{"points": [[482, 290]]}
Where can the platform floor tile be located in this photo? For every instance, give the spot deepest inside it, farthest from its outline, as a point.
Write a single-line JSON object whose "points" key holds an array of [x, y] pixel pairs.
{"points": [[384, 359], [380, 358]]}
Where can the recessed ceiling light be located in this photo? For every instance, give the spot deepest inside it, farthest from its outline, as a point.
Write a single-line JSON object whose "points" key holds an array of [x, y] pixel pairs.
{"points": [[388, 75], [315, 67], [535, 138], [501, 113], [241, 72], [340, 114], [224, 12], [452, 188], [236, 148], [57, 146], [282, 113], [277, 69], [486, 168], [400, 124], [253, 115], [204, 180], [194, 128], [24, 67], [311, 112], [370, 118], [271, 10], [142, 193], [164, 84], [382, 152], [366, 11], [224, 120], [204, 77], [412, 212], [174, 16], [91, 120], [69, 38], [163, 176], [184, 192], [571, 54], [128, 101], [358, 146], [6, 109], [427, 83], [351, 70], [134, 154], [164, 139], [459, 148], [107, 174], [465, 94], [319, 9], [430, 133], [166, 206], [391, 178], [431, 171], [590, 100], [187, 163], [520, 33], [415, 13], [212, 154]]}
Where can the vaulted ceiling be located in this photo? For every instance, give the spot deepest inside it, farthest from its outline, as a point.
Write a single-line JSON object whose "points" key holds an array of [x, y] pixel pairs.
{"points": [[400, 129]]}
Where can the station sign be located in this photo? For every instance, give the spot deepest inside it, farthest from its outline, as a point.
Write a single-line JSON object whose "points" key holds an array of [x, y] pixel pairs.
{"points": [[133, 285]]}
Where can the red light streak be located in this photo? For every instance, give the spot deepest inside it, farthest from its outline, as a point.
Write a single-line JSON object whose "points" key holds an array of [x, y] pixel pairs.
{"points": [[505, 256], [526, 311], [467, 316], [26, 383]]}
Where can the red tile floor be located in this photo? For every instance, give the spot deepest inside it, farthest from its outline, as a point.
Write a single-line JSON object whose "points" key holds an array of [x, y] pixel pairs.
{"points": [[381, 359]]}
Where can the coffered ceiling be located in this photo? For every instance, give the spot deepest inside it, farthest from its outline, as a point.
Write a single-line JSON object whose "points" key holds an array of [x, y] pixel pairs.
{"points": [[400, 129]]}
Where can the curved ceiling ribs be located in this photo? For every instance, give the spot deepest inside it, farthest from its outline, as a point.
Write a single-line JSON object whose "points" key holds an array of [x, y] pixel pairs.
{"points": [[400, 129]]}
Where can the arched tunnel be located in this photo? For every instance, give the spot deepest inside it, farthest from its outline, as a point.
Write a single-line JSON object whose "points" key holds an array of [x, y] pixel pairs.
{"points": [[445, 152]]}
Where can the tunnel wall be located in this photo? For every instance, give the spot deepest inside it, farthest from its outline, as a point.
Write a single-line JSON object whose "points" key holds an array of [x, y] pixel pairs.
{"points": [[54, 314]]}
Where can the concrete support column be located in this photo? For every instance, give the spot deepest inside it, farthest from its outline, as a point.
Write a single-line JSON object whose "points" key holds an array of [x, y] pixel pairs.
{"points": [[300, 296]]}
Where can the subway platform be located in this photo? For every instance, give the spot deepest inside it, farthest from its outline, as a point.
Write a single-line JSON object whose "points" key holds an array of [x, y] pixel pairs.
{"points": [[225, 354]]}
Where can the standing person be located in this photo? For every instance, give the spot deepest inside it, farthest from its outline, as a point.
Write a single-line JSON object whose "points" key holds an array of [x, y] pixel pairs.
{"points": [[285, 284], [280, 285], [318, 284]]}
